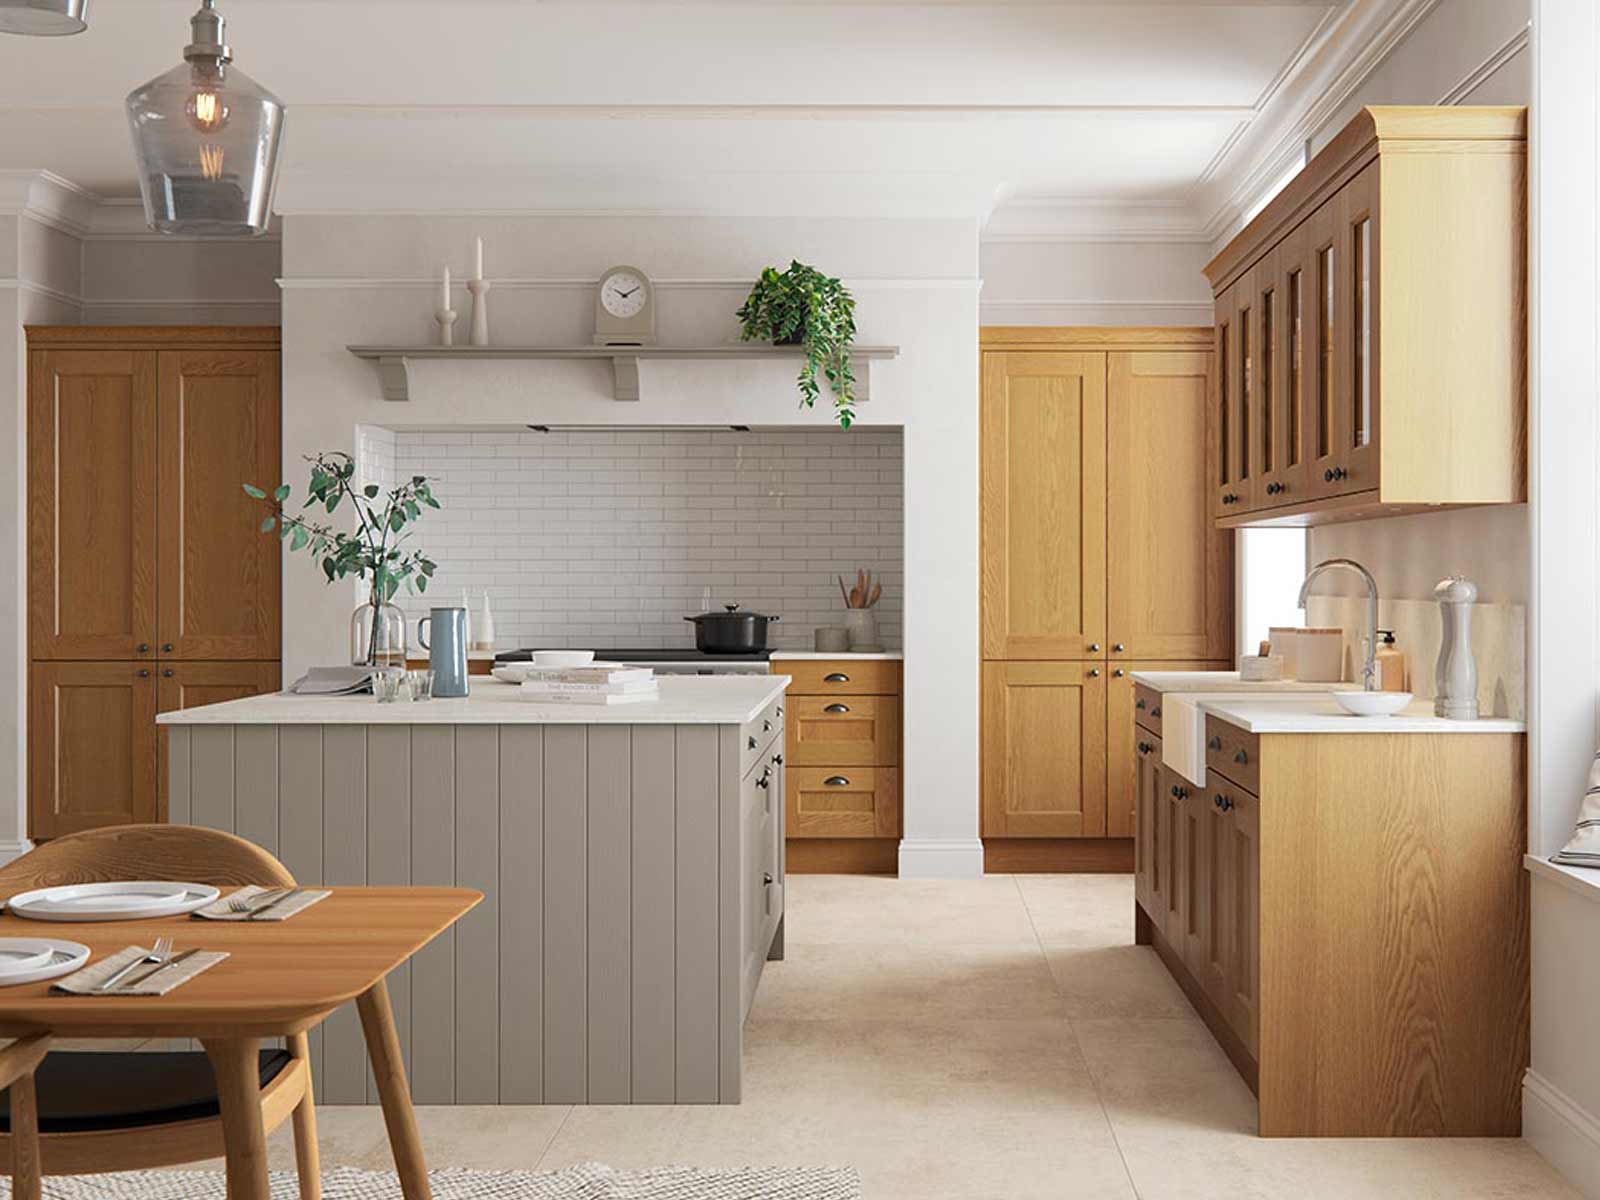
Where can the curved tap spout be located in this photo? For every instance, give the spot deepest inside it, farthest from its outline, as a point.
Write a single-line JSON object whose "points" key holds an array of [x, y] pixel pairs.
{"points": [[1369, 676]]}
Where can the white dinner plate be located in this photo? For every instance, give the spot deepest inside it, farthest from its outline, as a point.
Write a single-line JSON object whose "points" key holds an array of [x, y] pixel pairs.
{"points": [[50, 957], [135, 900]]}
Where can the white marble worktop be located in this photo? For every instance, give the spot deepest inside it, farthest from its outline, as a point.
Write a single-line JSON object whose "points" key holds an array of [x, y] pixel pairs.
{"points": [[1323, 715], [842, 655], [1229, 681], [684, 700]]}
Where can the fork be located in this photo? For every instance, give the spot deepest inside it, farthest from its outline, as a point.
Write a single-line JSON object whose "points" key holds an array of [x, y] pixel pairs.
{"points": [[159, 954], [255, 901]]}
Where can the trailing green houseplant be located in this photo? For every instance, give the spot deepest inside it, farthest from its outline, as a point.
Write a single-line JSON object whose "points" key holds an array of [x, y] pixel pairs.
{"points": [[376, 551], [802, 306]]}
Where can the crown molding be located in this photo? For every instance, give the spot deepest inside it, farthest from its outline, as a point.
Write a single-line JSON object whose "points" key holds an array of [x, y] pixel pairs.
{"points": [[1329, 70], [1475, 78], [1037, 220], [46, 197]]}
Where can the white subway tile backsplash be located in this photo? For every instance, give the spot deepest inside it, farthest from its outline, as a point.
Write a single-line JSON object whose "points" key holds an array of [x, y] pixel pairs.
{"points": [[608, 539]]}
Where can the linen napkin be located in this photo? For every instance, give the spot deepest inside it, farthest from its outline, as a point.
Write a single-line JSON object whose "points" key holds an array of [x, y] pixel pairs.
{"points": [[1584, 848], [275, 910], [158, 982]]}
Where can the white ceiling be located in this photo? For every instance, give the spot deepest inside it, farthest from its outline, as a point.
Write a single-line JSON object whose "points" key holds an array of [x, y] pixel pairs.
{"points": [[869, 107]]}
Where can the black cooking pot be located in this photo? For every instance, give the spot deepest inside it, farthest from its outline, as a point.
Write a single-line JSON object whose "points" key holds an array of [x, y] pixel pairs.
{"points": [[730, 631]]}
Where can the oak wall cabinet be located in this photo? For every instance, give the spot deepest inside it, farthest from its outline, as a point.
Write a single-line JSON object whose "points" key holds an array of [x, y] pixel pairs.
{"points": [[1098, 555], [1371, 327], [1348, 913], [148, 577]]}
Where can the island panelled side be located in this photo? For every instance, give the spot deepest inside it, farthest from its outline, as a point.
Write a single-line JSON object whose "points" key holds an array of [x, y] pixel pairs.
{"points": [[632, 875]]}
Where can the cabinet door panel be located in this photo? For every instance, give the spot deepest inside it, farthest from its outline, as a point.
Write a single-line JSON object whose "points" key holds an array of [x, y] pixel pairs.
{"points": [[183, 685], [1043, 505], [219, 575], [1328, 399], [1174, 854], [1294, 368], [1244, 931], [92, 746], [842, 802], [1123, 733], [1044, 750], [92, 504], [1358, 419], [1148, 842], [1169, 570]]}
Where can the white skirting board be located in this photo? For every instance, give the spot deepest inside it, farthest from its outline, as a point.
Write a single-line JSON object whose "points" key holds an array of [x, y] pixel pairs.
{"points": [[941, 858], [10, 850], [1563, 1132]]}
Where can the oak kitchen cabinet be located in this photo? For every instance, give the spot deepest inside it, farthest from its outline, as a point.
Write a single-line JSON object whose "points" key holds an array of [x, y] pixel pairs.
{"points": [[1371, 326], [1098, 555], [148, 577], [1348, 914]]}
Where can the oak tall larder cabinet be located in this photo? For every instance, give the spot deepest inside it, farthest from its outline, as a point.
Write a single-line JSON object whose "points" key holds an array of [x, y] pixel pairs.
{"points": [[150, 586], [1099, 556]]}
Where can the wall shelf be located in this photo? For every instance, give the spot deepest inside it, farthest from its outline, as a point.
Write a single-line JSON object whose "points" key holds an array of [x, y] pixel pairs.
{"points": [[394, 362]]}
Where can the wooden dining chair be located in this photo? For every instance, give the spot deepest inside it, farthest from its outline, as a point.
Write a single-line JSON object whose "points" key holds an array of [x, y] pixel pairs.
{"points": [[103, 1111]]}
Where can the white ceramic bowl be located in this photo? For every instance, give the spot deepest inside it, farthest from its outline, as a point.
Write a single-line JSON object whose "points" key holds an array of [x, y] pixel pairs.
{"points": [[562, 658], [1372, 704]]}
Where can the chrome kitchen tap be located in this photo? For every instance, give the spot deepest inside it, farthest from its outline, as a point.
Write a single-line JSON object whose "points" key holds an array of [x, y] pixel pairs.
{"points": [[1369, 674]]}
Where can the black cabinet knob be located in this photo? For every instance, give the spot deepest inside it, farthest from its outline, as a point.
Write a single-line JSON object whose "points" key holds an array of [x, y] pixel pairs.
{"points": [[1117, 647], [166, 647], [1214, 744], [777, 760], [1241, 758], [143, 648], [1118, 673], [1156, 711], [144, 673], [1139, 703], [1094, 672], [1174, 790], [752, 743], [1217, 800], [1094, 647], [1334, 474], [167, 674]]}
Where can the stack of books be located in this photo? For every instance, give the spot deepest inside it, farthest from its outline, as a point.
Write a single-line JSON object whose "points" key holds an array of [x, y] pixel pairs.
{"points": [[597, 683]]}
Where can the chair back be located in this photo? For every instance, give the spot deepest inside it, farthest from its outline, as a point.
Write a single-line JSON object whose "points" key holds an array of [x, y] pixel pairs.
{"points": [[120, 852]]}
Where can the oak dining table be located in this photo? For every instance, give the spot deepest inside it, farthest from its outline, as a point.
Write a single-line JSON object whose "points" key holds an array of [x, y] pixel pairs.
{"points": [[280, 978]]}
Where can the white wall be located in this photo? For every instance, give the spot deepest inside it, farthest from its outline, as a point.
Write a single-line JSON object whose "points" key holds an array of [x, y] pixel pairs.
{"points": [[150, 280], [368, 280], [1078, 282]]}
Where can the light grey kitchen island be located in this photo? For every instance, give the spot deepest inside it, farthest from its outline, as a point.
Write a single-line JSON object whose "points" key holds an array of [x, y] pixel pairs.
{"points": [[631, 859]]}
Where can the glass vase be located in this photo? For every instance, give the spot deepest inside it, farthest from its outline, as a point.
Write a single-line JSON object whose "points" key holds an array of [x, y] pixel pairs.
{"points": [[378, 635]]}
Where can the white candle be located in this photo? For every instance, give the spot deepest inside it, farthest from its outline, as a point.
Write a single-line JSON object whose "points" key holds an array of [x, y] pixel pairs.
{"points": [[479, 275], [444, 290]]}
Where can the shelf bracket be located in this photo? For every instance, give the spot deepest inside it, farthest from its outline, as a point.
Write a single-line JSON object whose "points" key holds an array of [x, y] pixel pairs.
{"points": [[861, 368], [394, 376], [625, 376]]}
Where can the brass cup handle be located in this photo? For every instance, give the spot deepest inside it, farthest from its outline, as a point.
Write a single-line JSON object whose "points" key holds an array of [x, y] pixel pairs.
{"points": [[836, 677], [835, 781], [836, 708]]}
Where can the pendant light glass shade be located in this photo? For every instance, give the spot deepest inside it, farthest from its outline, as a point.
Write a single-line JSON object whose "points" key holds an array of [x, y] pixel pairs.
{"points": [[207, 137], [44, 18]]}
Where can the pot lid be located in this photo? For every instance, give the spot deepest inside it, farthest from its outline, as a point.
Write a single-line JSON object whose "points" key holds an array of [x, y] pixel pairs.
{"points": [[731, 612]]}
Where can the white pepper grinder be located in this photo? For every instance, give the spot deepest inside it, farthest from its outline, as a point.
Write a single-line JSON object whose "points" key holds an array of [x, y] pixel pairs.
{"points": [[1455, 693]]}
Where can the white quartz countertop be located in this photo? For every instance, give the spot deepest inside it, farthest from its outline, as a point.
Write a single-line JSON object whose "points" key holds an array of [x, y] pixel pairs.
{"points": [[843, 655], [684, 700], [1229, 681], [1323, 715]]}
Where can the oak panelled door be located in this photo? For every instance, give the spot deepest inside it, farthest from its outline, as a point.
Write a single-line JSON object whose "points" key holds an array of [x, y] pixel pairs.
{"points": [[91, 502], [1044, 749], [91, 746], [1043, 505], [1169, 570], [218, 428]]}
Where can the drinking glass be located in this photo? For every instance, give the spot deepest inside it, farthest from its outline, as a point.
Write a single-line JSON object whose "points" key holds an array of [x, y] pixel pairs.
{"points": [[421, 683], [386, 685]]}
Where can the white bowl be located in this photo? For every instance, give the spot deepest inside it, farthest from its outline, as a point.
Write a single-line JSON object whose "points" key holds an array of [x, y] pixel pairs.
{"points": [[1372, 704], [562, 658]]}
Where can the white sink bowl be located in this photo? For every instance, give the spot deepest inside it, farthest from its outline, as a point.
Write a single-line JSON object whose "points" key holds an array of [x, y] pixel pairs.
{"points": [[562, 658], [1372, 704]]}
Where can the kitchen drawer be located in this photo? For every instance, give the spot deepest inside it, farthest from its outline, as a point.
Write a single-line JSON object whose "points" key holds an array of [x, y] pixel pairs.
{"points": [[842, 801], [841, 677], [1234, 753], [1147, 708], [756, 737], [844, 731]]}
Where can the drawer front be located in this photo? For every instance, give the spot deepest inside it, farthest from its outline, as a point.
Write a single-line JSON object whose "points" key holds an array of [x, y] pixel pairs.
{"points": [[756, 737], [1147, 708], [1234, 753], [843, 801], [841, 677], [857, 731]]}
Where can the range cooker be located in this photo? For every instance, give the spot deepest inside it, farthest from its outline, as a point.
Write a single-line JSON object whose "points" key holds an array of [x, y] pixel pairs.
{"points": [[670, 660]]}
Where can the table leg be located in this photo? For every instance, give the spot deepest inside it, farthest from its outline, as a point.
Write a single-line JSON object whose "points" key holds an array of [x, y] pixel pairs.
{"points": [[236, 1064], [24, 1139], [307, 1157], [394, 1093]]}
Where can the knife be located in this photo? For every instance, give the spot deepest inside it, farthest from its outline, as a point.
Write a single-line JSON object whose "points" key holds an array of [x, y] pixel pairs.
{"points": [[137, 980], [255, 913]]}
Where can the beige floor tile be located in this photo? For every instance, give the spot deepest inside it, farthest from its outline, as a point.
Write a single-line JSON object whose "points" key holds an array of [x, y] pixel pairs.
{"points": [[1167, 1072], [1092, 910], [485, 1138], [908, 983], [1115, 981], [874, 909]]}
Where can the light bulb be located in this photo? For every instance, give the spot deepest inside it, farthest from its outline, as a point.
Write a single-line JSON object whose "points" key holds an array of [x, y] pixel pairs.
{"points": [[207, 110], [211, 162]]}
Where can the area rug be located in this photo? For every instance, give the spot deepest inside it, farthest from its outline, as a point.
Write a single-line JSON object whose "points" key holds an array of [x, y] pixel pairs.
{"points": [[589, 1181]]}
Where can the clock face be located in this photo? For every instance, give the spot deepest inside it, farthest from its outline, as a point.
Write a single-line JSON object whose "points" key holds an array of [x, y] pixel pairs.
{"points": [[623, 294]]}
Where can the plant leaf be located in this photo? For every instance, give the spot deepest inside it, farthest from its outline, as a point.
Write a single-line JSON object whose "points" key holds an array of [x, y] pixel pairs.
{"points": [[253, 491], [267, 523], [280, 493]]}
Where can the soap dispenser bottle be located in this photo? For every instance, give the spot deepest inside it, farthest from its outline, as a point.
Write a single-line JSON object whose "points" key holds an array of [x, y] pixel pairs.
{"points": [[1389, 663]]}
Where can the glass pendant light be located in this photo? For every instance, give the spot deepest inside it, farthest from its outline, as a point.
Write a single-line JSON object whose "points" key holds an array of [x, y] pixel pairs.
{"points": [[44, 18], [207, 138]]}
